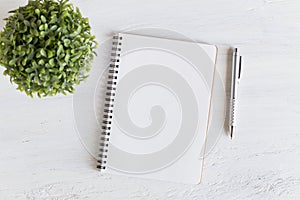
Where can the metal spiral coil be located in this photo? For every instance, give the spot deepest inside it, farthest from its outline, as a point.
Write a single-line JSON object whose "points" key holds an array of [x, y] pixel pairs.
{"points": [[109, 101]]}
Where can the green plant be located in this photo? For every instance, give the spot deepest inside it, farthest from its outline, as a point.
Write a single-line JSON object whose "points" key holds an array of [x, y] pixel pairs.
{"points": [[46, 47]]}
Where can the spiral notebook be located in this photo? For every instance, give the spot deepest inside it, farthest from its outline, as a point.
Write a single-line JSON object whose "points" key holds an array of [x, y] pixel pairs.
{"points": [[157, 108]]}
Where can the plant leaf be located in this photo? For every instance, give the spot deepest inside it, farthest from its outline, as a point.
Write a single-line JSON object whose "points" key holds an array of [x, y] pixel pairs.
{"points": [[43, 53]]}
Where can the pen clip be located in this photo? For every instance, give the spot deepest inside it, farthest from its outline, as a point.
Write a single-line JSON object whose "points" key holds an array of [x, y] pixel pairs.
{"points": [[240, 67]]}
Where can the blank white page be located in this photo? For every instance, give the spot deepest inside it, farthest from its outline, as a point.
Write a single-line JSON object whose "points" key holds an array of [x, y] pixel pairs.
{"points": [[161, 108]]}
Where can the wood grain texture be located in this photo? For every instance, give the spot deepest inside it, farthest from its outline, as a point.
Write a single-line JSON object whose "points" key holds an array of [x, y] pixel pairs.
{"points": [[41, 156]]}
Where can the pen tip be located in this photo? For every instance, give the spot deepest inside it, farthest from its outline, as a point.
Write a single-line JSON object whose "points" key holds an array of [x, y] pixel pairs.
{"points": [[231, 132]]}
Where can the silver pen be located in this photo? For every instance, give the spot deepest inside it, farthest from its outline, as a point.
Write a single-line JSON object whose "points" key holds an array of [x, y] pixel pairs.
{"points": [[235, 78]]}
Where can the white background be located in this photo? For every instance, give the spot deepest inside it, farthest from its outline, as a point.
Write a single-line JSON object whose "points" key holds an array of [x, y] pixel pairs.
{"points": [[41, 156]]}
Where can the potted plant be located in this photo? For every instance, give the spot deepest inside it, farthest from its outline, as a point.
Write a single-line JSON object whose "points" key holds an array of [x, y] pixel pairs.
{"points": [[47, 47]]}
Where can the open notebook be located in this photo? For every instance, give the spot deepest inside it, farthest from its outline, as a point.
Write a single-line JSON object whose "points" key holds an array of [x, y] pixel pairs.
{"points": [[157, 108]]}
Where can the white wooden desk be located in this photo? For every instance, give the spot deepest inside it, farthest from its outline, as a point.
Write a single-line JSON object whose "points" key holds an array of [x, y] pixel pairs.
{"points": [[41, 156]]}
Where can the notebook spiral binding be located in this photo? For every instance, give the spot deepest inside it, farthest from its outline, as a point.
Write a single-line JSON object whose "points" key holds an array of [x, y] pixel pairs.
{"points": [[109, 101]]}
